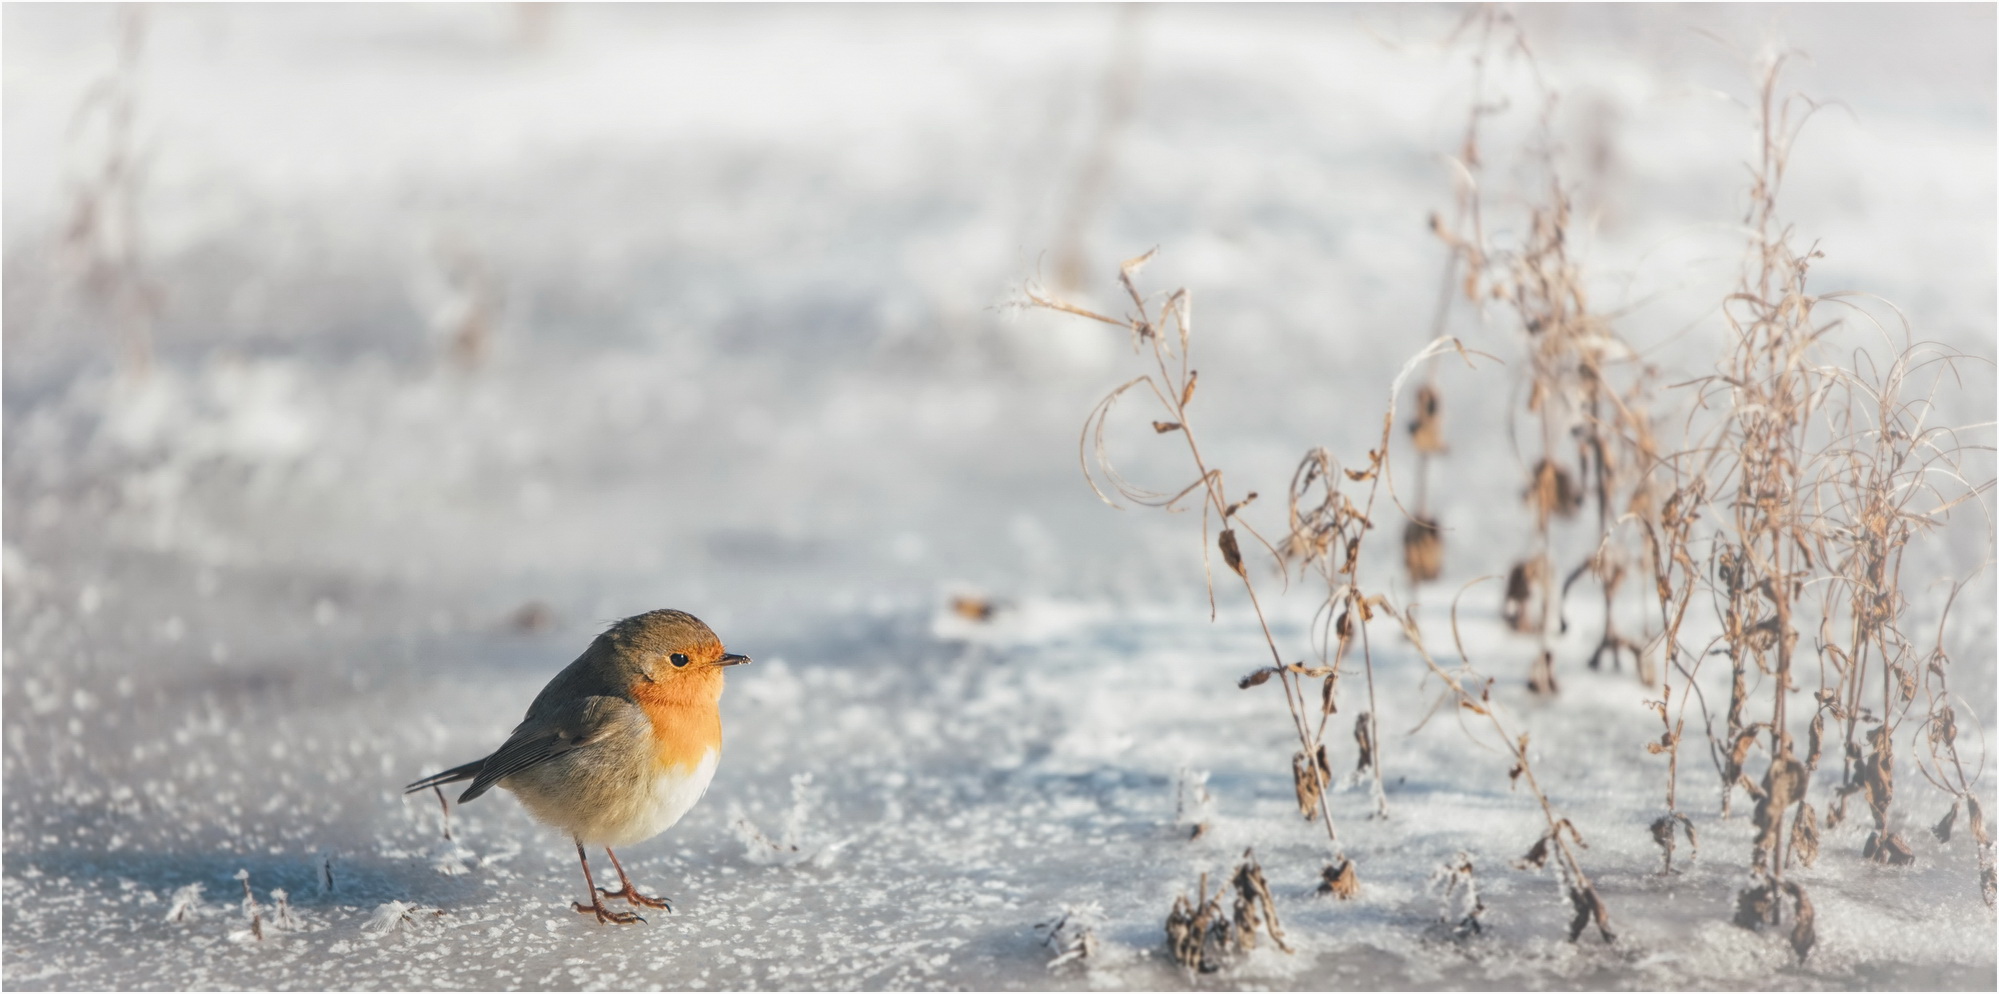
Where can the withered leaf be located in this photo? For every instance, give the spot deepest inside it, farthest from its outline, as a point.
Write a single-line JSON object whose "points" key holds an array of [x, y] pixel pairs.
{"points": [[1257, 678], [1231, 553], [1895, 851], [1817, 735], [1943, 826], [1363, 734], [1340, 880], [1977, 820], [1327, 703], [1187, 392], [1307, 781], [1804, 935], [1805, 835], [1756, 907], [1588, 907], [1536, 857], [1662, 832], [1162, 427]]}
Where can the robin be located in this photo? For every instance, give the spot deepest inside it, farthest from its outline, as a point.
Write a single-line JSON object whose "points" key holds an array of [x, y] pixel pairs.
{"points": [[618, 746]]}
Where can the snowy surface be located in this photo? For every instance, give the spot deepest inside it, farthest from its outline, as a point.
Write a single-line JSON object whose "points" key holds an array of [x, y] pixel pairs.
{"points": [[751, 359]]}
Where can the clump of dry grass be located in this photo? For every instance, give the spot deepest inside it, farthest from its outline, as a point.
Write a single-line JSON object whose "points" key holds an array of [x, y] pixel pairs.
{"points": [[1816, 475], [1325, 532], [1786, 512]]}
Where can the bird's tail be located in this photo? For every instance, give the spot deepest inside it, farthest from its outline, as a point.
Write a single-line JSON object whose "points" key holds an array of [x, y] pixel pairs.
{"points": [[452, 775]]}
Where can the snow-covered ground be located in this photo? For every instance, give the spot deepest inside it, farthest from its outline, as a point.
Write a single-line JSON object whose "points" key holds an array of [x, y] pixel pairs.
{"points": [[746, 273]]}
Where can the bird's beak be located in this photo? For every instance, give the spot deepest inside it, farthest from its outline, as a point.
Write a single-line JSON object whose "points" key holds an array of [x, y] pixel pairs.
{"points": [[732, 659]]}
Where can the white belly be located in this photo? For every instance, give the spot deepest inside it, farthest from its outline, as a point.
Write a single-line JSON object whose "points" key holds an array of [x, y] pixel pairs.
{"points": [[671, 795]]}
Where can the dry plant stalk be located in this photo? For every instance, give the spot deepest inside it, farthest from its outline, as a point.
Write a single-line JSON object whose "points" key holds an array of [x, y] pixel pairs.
{"points": [[1575, 361], [1556, 848], [1165, 331]]}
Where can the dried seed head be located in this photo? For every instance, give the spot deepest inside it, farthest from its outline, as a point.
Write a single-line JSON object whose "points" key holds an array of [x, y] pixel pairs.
{"points": [[1553, 492], [1422, 550]]}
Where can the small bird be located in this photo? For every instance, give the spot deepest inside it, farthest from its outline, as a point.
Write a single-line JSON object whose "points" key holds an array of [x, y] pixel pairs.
{"points": [[618, 746]]}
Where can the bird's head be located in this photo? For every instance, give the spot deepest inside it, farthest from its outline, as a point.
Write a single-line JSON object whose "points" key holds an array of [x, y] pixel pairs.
{"points": [[672, 655]]}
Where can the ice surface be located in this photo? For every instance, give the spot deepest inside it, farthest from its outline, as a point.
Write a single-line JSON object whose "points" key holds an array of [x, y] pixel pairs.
{"points": [[750, 356]]}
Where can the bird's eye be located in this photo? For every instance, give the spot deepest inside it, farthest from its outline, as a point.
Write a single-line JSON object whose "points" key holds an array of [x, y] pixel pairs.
{"points": [[679, 659]]}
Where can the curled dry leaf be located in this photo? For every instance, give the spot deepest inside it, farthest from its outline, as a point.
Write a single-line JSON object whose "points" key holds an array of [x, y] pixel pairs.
{"points": [[1943, 826], [1892, 851], [1162, 427], [1187, 392], [1340, 880], [1257, 678], [1589, 908], [1804, 933], [1363, 735], [1756, 907], [1805, 835], [1537, 857], [1309, 778], [1232, 553], [1877, 775], [1327, 704], [1254, 907]]}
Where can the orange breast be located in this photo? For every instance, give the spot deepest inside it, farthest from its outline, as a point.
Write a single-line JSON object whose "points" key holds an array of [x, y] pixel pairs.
{"points": [[685, 727]]}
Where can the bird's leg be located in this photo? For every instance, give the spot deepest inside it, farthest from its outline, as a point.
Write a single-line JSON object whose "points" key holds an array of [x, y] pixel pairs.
{"points": [[596, 905], [626, 891]]}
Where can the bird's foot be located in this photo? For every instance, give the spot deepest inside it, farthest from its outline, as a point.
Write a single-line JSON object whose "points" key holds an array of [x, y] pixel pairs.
{"points": [[604, 914], [630, 896]]}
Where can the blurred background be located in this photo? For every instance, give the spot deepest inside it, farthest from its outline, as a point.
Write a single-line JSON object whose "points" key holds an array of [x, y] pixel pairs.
{"points": [[357, 353]]}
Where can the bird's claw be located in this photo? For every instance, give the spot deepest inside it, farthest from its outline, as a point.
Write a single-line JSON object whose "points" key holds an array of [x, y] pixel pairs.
{"points": [[630, 896], [605, 914]]}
